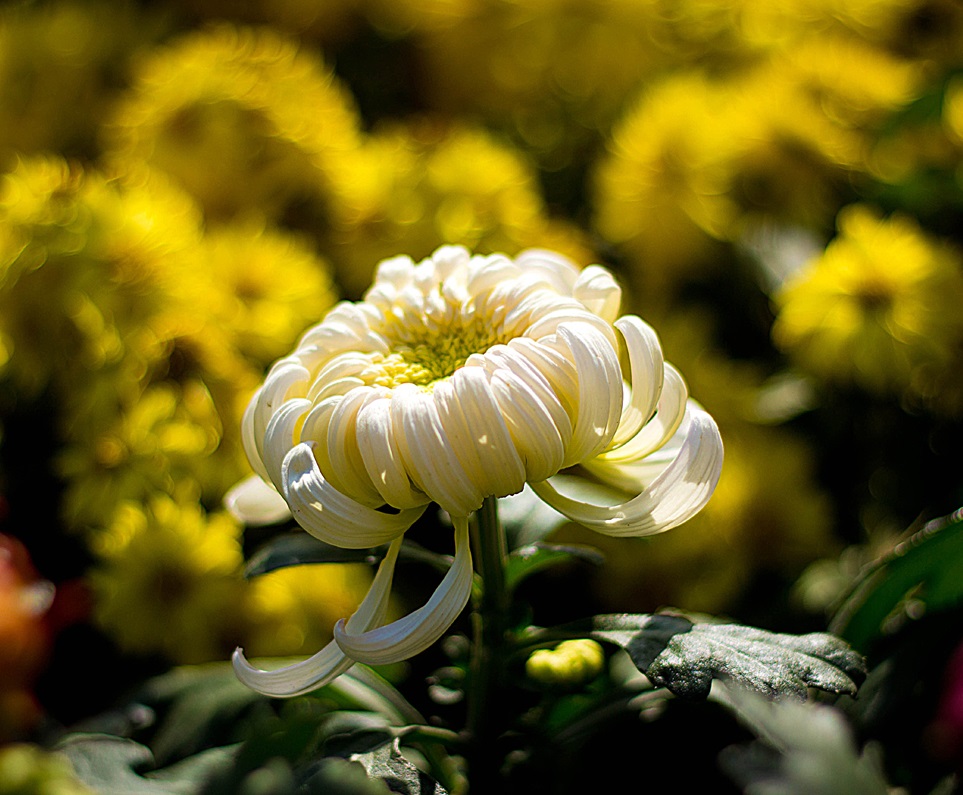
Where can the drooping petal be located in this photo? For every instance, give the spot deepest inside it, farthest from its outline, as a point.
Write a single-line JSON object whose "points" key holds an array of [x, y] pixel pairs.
{"points": [[419, 629], [331, 516], [329, 663], [677, 494]]}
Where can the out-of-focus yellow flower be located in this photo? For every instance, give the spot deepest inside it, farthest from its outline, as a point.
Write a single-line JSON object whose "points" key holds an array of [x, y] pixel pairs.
{"points": [[660, 190], [429, 183], [270, 285], [58, 63], [242, 117], [150, 445], [879, 308], [457, 379], [293, 610], [87, 265], [169, 580], [30, 770], [554, 72]]}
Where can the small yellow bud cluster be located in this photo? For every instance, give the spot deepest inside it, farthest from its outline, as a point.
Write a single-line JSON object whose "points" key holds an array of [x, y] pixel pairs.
{"points": [[570, 664]]}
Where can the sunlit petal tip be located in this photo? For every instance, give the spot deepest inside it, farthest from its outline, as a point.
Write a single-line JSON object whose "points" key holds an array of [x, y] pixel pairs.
{"points": [[253, 502], [292, 680], [421, 628]]}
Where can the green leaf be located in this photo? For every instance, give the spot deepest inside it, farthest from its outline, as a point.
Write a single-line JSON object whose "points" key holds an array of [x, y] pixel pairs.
{"points": [[350, 732], [803, 749], [922, 574], [388, 764], [527, 560], [336, 776], [118, 766], [685, 657], [293, 549]]}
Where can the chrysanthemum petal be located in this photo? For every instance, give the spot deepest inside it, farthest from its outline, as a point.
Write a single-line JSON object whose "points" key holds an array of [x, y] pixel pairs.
{"points": [[598, 291], [280, 436], [677, 494], [253, 502], [654, 434], [599, 390], [646, 363], [329, 663], [378, 443], [331, 516], [429, 457], [419, 629]]}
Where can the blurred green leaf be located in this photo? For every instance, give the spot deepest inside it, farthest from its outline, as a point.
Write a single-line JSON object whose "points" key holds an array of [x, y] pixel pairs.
{"points": [[921, 575], [294, 549], [684, 657], [336, 776], [527, 560], [803, 749], [118, 766]]}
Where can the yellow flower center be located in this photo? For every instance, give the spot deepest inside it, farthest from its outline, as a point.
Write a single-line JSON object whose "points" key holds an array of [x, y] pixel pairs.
{"points": [[429, 355]]}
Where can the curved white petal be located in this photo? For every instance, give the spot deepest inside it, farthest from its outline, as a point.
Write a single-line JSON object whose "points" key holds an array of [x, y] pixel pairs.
{"points": [[252, 448], [598, 291], [428, 455], [418, 630], [599, 390], [329, 663], [331, 516], [255, 503], [281, 436], [679, 492], [378, 443], [646, 376], [658, 430]]}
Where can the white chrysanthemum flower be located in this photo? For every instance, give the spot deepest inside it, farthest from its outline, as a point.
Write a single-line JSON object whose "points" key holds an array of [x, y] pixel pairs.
{"points": [[455, 379]]}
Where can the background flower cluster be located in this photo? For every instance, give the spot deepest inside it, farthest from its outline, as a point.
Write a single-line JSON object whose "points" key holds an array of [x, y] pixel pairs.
{"points": [[186, 186]]}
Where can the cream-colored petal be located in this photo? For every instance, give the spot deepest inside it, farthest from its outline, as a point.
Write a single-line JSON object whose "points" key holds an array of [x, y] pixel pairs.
{"points": [[598, 291], [281, 435], [599, 390], [677, 494], [255, 503], [421, 628], [346, 468], [662, 427], [646, 365], [249, 440], [331, 516], [428, 455], [378, 444], [476, 431], [287, 379], [329, 663]]}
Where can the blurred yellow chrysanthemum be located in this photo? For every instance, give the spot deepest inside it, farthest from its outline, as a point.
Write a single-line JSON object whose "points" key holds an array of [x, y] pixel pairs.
{"points": [[879, 308], [169, 580], [428, 183], [457, 379], [58, 64], [269, 286], [242, 117], [151, 444], [87, 265], [660, 191], [294, 610]]}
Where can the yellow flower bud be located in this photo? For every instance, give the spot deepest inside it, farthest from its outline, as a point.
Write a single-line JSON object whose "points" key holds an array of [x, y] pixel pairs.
{"points": [[570, 664]]}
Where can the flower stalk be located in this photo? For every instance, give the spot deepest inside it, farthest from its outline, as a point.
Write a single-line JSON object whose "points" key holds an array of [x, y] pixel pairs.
{"points": [[490, 624]]}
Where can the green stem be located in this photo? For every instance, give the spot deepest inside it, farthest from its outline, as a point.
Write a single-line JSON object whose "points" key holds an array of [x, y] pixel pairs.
{"points": [[488, 653]]}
